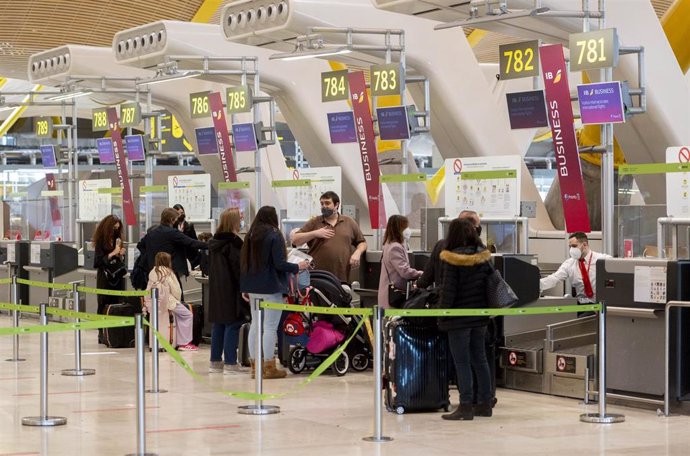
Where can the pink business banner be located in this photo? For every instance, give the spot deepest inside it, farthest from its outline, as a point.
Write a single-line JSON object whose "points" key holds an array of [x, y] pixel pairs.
{"points": [[565, 147], [55, 215], [222, 137], [121, 167], [364, 126]]}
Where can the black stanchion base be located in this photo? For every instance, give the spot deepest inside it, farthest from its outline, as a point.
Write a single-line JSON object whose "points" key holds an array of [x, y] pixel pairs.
{"points": [[258, 410], [596, 418], [15, 359], [153, 391], [44, 421], [78, 372], [383, 438]]}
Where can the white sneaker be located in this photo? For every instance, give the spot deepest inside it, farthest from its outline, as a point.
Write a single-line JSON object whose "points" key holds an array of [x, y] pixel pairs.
{"points": [[232, 369]]}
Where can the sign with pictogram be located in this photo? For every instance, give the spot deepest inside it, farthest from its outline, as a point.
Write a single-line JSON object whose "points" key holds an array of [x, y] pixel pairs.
{"points": [[678, 182]]}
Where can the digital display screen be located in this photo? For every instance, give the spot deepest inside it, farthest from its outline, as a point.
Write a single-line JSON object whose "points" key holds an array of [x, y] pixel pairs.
{"points": [[206, 141], [527, 109], [341, 126], [135, 147], [393, 123], [48, 157], [244, 137], [105, 150], [601, 103]]}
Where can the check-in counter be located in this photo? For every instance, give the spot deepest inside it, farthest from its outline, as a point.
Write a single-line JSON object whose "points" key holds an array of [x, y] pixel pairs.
{"points": [[203, 281], [50, 262], [14, 256]]}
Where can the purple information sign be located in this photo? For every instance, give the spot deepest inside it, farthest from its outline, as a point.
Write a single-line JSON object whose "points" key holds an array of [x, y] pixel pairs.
{"points": [[135, 147], [601, 103], [341, 126], [105, 150], [527, 109], [393, 123], [244, 137], [206, 141], [48, 157]]}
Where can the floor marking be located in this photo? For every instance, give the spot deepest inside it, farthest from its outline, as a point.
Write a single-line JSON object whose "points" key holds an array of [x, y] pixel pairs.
{"points": [[204, 428], [51, 394], [111, 410]]}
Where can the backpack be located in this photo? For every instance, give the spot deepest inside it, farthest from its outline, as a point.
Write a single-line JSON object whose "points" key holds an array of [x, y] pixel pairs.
{"points": [[164, 296], [139, 275]]}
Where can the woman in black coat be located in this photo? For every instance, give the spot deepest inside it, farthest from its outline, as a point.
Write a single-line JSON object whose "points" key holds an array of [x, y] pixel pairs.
{"points": [[466, 267], [227, 310], [109, 252]]}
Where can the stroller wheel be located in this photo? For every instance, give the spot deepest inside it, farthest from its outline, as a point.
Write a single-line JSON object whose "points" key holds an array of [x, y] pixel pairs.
{"points": [[341, 364], [360, 362], [298, 359]]}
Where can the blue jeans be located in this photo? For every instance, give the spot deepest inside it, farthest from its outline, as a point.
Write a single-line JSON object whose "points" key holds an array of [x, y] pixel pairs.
{"points": [[271, 319], [224, 339], [469, 352]]}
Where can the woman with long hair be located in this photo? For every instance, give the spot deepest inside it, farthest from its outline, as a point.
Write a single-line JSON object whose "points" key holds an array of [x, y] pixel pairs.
{"points": [[466, 267], [264, 268], [109, 254], [395, 265], [227, 310]]}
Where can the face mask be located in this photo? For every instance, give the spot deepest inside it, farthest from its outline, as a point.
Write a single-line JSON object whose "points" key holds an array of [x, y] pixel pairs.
{"points": [[479, 230], [327, 211], [242, 225], [575, 253], [407, 234]]}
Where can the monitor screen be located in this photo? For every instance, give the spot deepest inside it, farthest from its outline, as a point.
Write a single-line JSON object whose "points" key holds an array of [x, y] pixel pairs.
{"points": [[244, 137], [393, 123], [206, 141], [341, 126], [48, 157], [527, 109], [105, 150], [135, 147]]}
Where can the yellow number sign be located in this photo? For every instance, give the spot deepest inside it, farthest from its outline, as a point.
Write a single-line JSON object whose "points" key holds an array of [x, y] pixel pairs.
{"points": [[592, 50], [334, 86], [99, 119], [519, 60], [198, 105], [386, 79]]}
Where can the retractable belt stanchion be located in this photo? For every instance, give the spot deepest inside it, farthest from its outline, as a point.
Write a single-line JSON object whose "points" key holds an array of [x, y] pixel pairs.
{"points": [[14, 292], [378, 379], [141, 399], [258, 408], [154, 343], [602, 417], [44, 419], [77, 371]]}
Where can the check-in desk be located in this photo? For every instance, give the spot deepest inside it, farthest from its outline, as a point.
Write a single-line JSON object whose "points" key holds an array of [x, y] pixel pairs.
{"points": [[50, 262], [14, 255], [635, 291]]}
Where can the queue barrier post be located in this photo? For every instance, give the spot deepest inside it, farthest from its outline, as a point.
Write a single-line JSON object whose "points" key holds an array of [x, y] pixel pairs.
{"points": [[44, 419], [77, 371], [141, 397], [259, 408], [154, 344], [602, 417], [14, 292], [378, 379]]}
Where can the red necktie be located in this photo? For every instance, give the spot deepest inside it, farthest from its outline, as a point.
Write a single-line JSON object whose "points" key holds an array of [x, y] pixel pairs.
{"points": [[585, 279]]}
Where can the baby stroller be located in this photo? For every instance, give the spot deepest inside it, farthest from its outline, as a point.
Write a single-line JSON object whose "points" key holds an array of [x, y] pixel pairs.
{"points": [[326, 290]]}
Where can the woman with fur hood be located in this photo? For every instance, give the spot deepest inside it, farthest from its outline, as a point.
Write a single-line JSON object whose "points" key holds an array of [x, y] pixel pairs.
{"points": [[466, 267]]}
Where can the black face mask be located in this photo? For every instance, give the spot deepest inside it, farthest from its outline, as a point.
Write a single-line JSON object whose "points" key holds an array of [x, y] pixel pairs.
{"points": [[327, 211], [479, 230]]}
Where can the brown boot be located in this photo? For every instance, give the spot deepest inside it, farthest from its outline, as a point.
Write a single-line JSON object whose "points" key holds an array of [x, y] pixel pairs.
{"points": [[271, 371]]}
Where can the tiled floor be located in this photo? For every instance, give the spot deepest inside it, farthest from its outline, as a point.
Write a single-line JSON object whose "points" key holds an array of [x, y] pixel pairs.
{"points": [[328, 416]]}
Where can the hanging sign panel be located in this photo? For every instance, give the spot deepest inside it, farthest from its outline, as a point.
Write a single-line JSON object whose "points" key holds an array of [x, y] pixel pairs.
{"points": [[199, 107], [135, 147], [121, 167], [193, 192], [678, 183], [105, 150], [341, 127], [206, 141], [601, 102], [386, 79], [93, 205], [238, 99], [527, 109], [519, 60], [244, 137], [367, 148], [561, 118], [222, 137], [334, 86], [489, 186], [130, 115], [48, 156], [43, 127], [590, 50], [99, 119], [393, 123]]}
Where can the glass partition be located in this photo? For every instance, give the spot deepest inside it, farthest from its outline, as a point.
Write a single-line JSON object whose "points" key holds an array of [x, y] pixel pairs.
{"points": [[235, 195], [152, 200], [405, 194]]}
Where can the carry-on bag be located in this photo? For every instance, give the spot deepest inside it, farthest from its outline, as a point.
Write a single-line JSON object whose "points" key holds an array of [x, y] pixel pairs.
{"points": [[122, 337]]}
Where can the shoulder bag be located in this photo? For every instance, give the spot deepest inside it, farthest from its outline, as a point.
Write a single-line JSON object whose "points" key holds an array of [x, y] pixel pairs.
{"points": [[114, 270], [499, 295], [396, 296]]}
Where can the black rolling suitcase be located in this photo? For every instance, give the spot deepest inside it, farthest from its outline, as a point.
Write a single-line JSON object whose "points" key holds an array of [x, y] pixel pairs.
{"points": [[415, 368], [122, 337], [243, 345]]}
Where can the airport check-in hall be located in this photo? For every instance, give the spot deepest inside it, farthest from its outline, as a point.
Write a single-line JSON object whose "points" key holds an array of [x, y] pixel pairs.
{"points": [[358, 227]]}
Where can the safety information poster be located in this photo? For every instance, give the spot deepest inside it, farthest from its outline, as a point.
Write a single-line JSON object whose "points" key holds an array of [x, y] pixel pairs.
{"points": [[93, 206], [677, 184], [650, 284], [489, 186], [193, 192], [304, 200]]}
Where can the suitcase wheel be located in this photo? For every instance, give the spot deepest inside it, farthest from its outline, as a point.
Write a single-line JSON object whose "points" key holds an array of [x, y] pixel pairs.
{"points": [[400, 410], [298, 359], [341, 364]]}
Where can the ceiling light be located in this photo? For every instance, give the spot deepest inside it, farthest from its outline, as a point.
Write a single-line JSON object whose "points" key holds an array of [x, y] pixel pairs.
{"points": [[300, 55], [493, 18], [70, 95], [170, 77]]}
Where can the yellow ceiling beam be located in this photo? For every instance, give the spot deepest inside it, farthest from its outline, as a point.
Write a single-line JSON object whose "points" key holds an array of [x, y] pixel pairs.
{"points": [[3, 81], [206, 11], [17, 113], [475, 37], [676, 25]]}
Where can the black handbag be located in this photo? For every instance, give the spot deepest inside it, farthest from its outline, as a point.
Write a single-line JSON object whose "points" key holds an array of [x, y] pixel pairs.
{"points": [[499, 295], [396, 296], [115, 270]]}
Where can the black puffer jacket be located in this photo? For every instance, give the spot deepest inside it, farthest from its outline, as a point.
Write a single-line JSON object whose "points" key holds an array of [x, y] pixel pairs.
{"points": [[225, 303], [465, 271]]}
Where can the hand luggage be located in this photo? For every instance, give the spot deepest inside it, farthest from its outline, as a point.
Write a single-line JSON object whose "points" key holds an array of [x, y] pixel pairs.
{"points": [[415, 368], [243, 345], [122, 337]]}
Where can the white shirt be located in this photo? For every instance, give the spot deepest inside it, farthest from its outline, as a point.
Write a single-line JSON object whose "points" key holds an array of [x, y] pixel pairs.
{"points": [[570, 269]]}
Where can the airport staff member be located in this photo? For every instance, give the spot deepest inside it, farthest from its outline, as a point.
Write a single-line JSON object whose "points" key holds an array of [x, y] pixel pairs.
{"points": [[335, 241], [580, 268]]}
